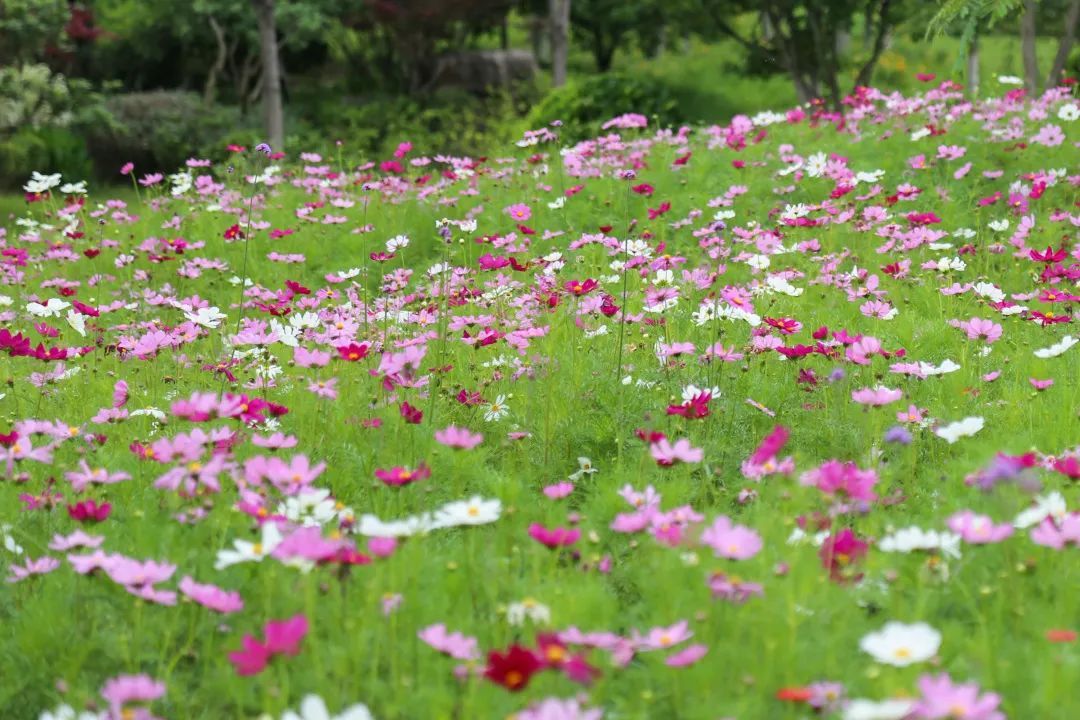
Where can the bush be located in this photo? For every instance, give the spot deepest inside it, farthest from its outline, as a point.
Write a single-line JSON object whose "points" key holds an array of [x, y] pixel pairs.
{"points": [[159, 130], [450, 122], [583, 106], [40, 115]]}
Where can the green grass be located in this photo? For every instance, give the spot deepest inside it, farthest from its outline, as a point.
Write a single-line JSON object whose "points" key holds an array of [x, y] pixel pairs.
{"points": [[993, 607]]}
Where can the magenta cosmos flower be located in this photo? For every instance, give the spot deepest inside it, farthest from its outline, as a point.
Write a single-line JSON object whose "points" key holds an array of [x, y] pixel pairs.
{"points": [[282, 637], [554, 537]]}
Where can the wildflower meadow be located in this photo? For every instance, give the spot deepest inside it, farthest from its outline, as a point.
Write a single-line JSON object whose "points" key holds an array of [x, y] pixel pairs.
{"points": [[772, 419]]}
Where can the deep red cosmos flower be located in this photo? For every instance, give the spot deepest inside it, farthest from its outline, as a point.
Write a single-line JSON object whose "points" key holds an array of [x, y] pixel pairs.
{"points": [[512, 669]]}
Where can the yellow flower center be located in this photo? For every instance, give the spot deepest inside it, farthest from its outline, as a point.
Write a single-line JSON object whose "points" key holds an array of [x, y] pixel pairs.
{"points": [[257, 549], [195, 467]]}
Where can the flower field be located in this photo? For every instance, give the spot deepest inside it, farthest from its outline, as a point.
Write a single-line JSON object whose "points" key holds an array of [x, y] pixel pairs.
{"points": [[773, 419]]}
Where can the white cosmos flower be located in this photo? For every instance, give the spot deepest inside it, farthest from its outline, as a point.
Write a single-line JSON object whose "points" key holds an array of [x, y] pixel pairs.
{"points": [[585, 467], [78, 188], [528, 609], [52, 308], [961, 428], [915, 538], [66, 712], [901, 645], [815, 164], [153, 412], [474, 511], [1010, 80], [920, 134], [207, 317], [5, 301], [9, 542], [497, 410], [1052, 505], [862, 709], [988, 291], [77, 321], [557, 203], [691, 391], [312, 707], [313, 508], [998, 225], [1057, 348], [1069, 112], [397, 243], [954, 263], [947, 366], [248, 551], [41, 183]]}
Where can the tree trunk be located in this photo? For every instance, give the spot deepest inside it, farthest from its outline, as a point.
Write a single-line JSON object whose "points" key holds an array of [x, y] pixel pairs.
{"points": [[560, 40], [1027, 47], [210, 89], [973, 68], [273, 112], [1068, 36], [884, 24]]}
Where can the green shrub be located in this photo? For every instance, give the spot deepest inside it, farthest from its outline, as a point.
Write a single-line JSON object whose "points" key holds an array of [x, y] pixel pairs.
{"points": [[450, 122], [159, 130], [584, 105]]}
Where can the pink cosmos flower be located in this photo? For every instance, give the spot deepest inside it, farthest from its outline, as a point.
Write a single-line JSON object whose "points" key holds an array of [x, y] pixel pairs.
{"points": [[1041, 385], [732, 589], [876, 397], [942, 699], [456, 437], [559, 490], [519, 212], [63, 543], [382, 547], [735, 542], [978, 529], [124, 689], [559, 709], [667, 454], [912, 415], [977, 328], [456, 645], [324, 388], [85, 476], [687, 656], [661, 638], [1057, 534], [41, 566], [212, 597], [554, 537]]}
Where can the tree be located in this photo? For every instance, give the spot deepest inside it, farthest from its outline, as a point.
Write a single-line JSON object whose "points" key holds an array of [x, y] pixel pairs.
{"points": [[803, 37], [1068, 36], [273, 111], [1027, 46], [560, 40]]}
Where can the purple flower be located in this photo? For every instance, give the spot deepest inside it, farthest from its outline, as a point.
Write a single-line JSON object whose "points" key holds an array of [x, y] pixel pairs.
{"points": [[264, 149], [898, 434]]}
